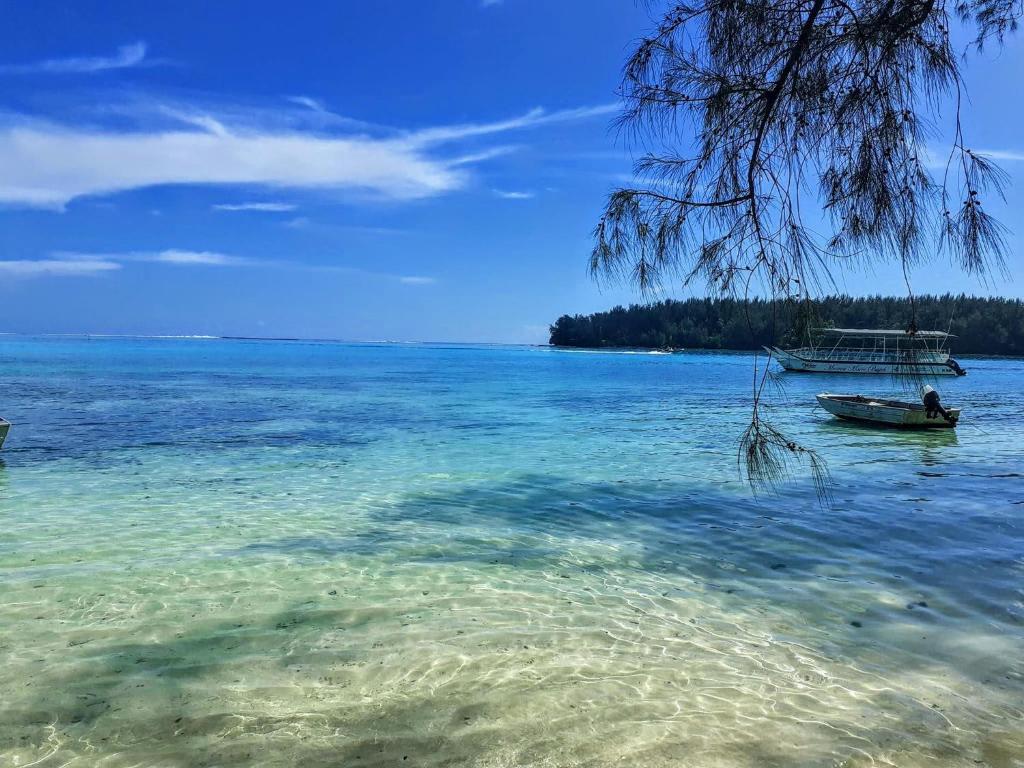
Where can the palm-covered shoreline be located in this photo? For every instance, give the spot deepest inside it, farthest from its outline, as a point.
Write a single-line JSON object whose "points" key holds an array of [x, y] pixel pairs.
{"points": [[982, 325]]}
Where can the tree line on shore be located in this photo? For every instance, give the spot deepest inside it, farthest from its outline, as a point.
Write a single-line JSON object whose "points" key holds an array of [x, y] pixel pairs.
{"points": [[986, 326]]}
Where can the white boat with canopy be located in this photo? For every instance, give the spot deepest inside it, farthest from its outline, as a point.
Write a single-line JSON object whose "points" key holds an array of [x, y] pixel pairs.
{"points": [[859, 350]]}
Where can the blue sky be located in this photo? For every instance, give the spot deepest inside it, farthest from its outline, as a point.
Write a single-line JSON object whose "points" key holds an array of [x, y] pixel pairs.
{"points": [[386, 170]]}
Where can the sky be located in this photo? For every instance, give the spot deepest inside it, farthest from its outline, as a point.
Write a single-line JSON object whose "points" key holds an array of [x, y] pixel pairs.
{"points": [[409, 171]]}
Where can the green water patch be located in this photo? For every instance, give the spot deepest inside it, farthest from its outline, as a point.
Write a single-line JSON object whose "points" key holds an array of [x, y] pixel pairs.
{"points": [[539, 619]]}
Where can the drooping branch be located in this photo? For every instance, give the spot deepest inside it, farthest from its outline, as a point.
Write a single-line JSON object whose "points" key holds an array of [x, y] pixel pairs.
{"points": [[772, 97], [794, 135]]}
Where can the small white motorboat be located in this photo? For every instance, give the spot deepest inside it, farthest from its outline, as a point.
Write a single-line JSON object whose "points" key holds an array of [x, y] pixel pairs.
{"points": [[5, 427], [890, 413]]}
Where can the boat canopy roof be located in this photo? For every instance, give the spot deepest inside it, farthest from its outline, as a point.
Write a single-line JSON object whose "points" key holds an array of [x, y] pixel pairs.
{"points": [[893, 332]]}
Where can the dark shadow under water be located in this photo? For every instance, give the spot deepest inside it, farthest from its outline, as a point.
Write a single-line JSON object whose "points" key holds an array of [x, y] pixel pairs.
{"points": [[955, 558]]}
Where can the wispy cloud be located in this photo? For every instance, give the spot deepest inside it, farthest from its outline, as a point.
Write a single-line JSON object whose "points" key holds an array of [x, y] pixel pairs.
{"points": [[335, 228], [174, 256], [127, 56], [1008, 155], [204, 122], [513, 195], [479, 157], [535, 117], [72, 263], [269, 207], [414, 280], [48, 165], [937, 158], [490, 3], [208, 258], [56, 267], [307, 101], [325, 116]]}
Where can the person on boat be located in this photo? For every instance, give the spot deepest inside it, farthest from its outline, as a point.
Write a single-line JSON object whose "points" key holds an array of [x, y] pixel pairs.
{"points": [[932, 407]]}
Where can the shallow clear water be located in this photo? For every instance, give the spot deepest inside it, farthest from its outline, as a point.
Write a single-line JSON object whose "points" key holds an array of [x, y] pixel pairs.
{"points": [[228, 553]]}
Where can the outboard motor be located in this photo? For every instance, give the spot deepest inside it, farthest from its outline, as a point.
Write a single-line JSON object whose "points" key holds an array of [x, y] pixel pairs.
{"points": [[956, 367], [932, 407]]}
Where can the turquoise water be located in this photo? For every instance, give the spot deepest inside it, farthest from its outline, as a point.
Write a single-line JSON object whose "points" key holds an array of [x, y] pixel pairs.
{"points": [[287, 553]]}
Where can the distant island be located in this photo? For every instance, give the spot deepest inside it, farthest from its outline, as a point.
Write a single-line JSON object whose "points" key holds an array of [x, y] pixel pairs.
{"points": [[983, 326]]}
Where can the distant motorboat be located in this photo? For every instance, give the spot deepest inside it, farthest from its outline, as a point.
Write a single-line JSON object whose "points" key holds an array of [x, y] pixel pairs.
{"points": [[890, 413], [860, 350], [5, 427]]}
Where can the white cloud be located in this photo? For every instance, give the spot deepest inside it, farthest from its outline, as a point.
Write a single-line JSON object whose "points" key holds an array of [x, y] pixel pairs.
{"points": [[321, 115], [937, 158], [196, 257], [205, 123], [270, 207], [535, 117], [56, 267], [48, 165], [478, 157], [308, 102], [1009, 156], [338, 269], [513, 195], [174, 256], [75, 263], [127, 56]]}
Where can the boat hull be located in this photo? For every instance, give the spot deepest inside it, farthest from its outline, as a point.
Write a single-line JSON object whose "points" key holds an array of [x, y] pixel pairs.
{"points": [[5, 427], [888, 413], [798, 364]]}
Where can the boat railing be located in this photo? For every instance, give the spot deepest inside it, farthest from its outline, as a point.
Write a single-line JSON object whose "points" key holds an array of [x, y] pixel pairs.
{"points": [[890, 356]]}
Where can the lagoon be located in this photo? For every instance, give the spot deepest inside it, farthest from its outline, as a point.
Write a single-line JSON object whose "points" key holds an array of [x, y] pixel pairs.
{"points": [[230, 552]]}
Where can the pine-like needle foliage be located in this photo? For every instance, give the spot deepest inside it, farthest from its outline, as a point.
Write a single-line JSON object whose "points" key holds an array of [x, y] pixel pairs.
{"points": [[763, 108]]}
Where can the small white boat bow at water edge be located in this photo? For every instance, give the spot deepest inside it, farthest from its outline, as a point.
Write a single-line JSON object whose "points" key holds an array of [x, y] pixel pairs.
{"points": [[5, 427], [891, 413]]}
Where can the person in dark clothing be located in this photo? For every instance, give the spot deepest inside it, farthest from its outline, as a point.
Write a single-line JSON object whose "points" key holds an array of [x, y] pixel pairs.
{"points": [[956, 367], [932, 407]]}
